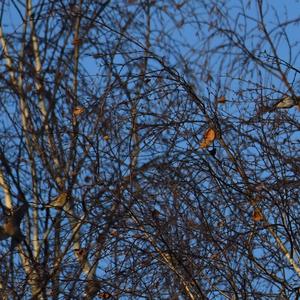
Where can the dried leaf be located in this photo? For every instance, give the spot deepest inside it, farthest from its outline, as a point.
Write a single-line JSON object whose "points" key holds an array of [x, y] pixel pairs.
{"points": [[208, 138], [191, 224], [106, 137], [222, 100], [78, 110], [81, 252], [114, 233], [257, 215], [104, 295]]}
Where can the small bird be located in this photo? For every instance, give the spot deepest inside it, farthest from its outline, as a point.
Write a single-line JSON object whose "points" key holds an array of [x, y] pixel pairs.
{"points": [[11, 227], [59, 201], [288, 102], [285, 102]]}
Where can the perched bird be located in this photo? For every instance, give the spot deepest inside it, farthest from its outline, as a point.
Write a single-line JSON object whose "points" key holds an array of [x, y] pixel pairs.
{"points": [[285, 102], [59, 201], [11, 227], [288, 102]]}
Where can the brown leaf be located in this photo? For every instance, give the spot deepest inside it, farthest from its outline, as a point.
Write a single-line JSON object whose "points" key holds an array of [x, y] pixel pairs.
{"points": [[192, 224], [114, 233], [81, 252], [208, 138], [221, 100], [78, 110], [257, 215], [104, 295]]}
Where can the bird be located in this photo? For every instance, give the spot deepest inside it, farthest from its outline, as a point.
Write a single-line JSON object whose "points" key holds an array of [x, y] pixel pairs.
{"points": [[11, 227], [288, 102], [285, 102], [59, 201]]}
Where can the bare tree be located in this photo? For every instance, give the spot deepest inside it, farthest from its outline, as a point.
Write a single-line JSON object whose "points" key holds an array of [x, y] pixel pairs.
{"points": [[149, 150]]}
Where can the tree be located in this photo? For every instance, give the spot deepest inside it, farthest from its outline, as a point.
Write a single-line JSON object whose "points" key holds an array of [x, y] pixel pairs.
{"points": [[149, 150]]}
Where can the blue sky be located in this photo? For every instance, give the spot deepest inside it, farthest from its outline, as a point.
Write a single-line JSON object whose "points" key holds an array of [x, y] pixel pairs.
{"points": [[283, 9]]}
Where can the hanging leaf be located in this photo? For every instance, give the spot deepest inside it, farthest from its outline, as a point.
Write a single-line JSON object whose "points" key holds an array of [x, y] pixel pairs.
{"points": [[208, 138], [78, 110], [81, 252], [222, 100], [257, 215], [106, 137], [104, 295], [114, 233]]}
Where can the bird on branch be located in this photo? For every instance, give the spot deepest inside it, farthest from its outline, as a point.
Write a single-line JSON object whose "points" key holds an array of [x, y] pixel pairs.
{"points": [[59, 201], [285, 102], [288, 102], [11, 227]]}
